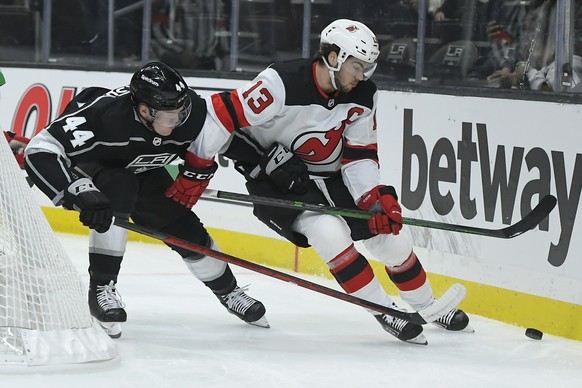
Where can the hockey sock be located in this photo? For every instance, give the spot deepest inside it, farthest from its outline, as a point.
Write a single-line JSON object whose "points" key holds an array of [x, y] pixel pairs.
{"points": [[104, 267], [412, 282], [214, 273], [223, 284], [355, 275]]}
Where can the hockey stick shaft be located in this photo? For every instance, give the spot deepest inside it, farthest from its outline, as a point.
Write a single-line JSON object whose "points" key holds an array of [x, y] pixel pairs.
{"points": [[530, 221], [413, 317]]}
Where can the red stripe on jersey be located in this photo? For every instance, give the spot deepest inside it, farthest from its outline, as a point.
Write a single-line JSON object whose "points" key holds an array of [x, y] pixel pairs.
{"points": [[222, 113], [373, 147], [352, 153], [240, 114]]}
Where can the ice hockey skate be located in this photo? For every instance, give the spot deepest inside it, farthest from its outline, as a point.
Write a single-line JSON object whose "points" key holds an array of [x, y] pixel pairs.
{"points": [[455, 320], [251, 311], [403, 330], [107, 307]]}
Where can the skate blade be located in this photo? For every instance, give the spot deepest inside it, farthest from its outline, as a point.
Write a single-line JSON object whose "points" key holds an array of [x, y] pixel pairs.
{"points": [[261, 322], [418, 340], [467, 329], [113, 329]]}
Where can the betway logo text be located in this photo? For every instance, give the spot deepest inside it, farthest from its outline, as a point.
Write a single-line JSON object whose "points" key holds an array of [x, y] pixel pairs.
{"points": [[500, 179]]}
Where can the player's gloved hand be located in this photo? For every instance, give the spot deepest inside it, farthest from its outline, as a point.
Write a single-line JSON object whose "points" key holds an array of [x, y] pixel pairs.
{"points": [[93, 206], [383, 201], [195, 174], [286, 170], [17, 145]]}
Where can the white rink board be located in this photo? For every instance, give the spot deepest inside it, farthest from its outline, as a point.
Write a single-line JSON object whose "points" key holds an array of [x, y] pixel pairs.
{"points": [[543, 137], [538, 140]]}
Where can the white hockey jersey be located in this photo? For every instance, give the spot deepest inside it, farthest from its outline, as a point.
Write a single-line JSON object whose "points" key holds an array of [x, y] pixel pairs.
{"points": [[284, 104]]}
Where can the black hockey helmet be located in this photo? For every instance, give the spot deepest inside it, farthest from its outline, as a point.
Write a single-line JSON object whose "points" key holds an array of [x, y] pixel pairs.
{"points": [[160, 87]]}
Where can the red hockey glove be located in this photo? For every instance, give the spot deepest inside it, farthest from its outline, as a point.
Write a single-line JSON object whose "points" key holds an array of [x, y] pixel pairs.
{"points": [[195, 174], [17, 145], [383, 201]]}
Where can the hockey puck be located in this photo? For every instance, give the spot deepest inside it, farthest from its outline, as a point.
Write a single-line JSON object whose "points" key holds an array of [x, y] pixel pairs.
{"points": [[533, 333]]}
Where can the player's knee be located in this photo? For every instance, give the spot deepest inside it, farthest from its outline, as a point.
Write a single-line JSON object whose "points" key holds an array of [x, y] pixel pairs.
{"points": [[392, 250], [193, 257], [328, 235], [204, 267], [187, 227]]}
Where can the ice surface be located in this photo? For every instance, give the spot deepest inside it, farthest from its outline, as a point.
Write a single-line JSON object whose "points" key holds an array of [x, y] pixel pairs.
{"points": [[178, 335]]}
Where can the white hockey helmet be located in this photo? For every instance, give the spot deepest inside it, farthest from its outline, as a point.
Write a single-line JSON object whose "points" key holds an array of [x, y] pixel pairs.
{"points": [[353, 38]]}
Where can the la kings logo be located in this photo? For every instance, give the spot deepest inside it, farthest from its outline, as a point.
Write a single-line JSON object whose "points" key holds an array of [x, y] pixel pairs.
{"points": [[148, 162]]}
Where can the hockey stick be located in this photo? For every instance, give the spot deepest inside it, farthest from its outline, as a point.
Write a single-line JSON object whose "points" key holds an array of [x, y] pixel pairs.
{"points": [[530, 221], [450, 299]]}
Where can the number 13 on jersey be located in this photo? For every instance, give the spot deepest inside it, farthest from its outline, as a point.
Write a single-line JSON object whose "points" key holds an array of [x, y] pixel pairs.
{"points": [[258, 99]]}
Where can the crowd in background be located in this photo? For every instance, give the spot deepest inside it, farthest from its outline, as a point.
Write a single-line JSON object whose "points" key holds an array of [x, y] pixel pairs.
{"points": [[486, 43]]}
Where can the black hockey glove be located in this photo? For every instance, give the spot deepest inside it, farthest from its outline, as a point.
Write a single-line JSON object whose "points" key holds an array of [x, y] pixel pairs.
{"points": [[93, 206], [286, 170]]}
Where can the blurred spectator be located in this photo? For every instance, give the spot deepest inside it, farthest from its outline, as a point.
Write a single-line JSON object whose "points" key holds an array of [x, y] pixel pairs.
{"points": [[543, 77], [127, 32], [16, 28], [534, 49], [461, 20], [506, 27], [190, 33], [518, 32], [433, 6], [73, 26], [401, 18]]}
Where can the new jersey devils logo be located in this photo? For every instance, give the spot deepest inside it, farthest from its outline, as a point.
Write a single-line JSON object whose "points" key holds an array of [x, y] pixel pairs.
{"points": [[352, 28], [324, 147]]}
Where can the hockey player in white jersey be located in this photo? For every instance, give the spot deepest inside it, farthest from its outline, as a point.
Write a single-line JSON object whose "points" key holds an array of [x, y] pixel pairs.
{"points": [[306, 130], [106, 153]]}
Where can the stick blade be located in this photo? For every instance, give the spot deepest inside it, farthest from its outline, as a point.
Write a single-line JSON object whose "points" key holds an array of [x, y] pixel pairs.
{"points": [[533, 219], [448, 301]]}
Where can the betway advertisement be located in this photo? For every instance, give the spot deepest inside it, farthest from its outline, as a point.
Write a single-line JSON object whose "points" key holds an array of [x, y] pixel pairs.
{"points": [[461, 160], [486, 163]]}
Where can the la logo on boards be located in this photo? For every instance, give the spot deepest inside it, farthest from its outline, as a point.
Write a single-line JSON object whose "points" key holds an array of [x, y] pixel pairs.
{"points": [[499, 183]]}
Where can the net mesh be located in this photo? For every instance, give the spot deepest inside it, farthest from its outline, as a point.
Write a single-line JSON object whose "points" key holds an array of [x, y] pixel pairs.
{"points": [[40, 289]]}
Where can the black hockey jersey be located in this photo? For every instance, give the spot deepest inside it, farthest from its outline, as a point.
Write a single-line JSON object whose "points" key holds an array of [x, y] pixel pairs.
{"points": [[100, 128]]}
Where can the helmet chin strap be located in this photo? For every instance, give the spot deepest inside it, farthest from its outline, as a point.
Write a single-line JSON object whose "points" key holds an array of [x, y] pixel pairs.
{"points": [[332, 72], [148, 123]]}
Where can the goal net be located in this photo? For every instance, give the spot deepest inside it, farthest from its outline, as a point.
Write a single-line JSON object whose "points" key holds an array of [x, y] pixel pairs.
{"points": [[44, 316]]}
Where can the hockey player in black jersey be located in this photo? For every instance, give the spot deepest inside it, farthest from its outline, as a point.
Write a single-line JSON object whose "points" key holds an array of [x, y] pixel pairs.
{"points": [[306, 130], [106, 154]]}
